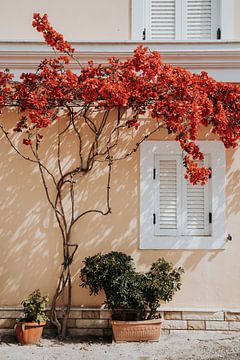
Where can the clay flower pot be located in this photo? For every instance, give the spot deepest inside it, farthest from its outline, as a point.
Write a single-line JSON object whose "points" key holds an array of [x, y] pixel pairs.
{"points": [[145, 330], [29, 332]]}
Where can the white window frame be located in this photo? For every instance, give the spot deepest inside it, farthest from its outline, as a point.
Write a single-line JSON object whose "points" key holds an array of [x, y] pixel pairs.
{"points": [[148, 239], [223, 15]]}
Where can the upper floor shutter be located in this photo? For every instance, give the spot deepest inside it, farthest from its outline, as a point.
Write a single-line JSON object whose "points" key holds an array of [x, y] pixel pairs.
{"points": [[161, 19], [167, 194], [199, 19], [181, 19]]}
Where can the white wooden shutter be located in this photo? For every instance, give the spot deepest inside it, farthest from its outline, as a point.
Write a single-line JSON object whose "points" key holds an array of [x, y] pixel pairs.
{"points": [[199, 19], [181, 19], [196, 206], [167, 194], [160, 19]]}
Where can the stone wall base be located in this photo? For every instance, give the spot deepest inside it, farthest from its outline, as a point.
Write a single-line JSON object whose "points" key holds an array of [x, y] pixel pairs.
{"points": [[84, 322]]}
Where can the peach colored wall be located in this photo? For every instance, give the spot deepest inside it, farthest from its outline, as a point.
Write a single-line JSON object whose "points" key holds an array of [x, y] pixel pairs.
{"points": [[30, 245], [78, 20]]}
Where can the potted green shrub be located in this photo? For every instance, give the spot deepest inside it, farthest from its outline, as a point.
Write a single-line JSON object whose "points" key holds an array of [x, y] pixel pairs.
{"points": [[30, 327], [133, 297]]}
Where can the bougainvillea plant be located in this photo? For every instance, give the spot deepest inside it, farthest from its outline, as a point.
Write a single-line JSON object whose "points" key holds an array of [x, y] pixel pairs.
{"points": [[123, 94]]}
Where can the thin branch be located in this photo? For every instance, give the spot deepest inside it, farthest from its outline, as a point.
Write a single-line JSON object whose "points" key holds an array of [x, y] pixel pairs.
{"points": [[103, 122], [79, 140], [108, 211], [58, 214], [89, 212], [116, 130], [109, 181], [89, 122], [160, 125], [72, 198], [14, 147], [35, 153], [59, 147], [75, 59]]}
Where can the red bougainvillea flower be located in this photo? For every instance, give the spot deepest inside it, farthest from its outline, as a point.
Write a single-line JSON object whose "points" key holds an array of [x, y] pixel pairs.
{"points": [[27, 141], [133, 123], [51, 36], [6, 88], [194, 173], [141, 85]]}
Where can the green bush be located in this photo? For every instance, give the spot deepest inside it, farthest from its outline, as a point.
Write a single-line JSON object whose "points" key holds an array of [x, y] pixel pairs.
{"points": [[34, 307], [126, 289]]}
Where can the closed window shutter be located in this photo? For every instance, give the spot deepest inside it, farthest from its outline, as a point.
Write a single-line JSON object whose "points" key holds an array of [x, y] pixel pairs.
{"points": [[167, 194], [180, 207], [181, 19], [161, 19], [196, 207], [199, 19]]}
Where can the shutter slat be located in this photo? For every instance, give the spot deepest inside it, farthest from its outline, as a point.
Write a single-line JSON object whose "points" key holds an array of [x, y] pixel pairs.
{"points": [[199, 19], [195, 198], [167, 199], [162, 19], [195, 205]]}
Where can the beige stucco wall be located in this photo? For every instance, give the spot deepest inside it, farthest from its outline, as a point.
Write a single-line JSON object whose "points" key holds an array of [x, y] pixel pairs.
{"points": [[78, 20], [30, 245]]}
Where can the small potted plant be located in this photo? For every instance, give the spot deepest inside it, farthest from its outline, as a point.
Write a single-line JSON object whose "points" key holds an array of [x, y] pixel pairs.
{"points": [[30, 327], [133, 297]]}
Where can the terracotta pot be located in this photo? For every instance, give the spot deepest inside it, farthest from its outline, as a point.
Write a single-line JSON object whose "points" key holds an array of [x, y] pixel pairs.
{"points": [[29, 332], [145, 330]]}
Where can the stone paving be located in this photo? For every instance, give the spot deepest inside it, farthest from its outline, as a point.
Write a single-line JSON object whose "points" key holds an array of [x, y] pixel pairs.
{"points": [[192, 345]]}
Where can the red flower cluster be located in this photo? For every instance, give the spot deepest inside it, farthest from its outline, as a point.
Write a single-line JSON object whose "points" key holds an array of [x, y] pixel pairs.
{"points": [[6, 87], [52, 37], [194, 173], [27, 141], [133, 123], [182, 101]]}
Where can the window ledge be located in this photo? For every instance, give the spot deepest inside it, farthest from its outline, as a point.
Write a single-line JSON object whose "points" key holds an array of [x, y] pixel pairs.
{"points": [[184, 243], [221, 59]]}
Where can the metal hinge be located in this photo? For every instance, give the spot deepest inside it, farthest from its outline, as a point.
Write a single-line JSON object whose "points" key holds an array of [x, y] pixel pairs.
{"points": [[210, 175], [218, 34], [210, 217], [154, 174], [154, 219], [229, 237], [144, 34]]}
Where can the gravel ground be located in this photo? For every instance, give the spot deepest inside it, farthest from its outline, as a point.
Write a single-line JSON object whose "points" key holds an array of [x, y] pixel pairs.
{"points": [[197, 346]]}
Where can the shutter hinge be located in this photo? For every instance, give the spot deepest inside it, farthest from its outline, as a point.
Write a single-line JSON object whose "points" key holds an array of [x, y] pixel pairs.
{"points": [[218, 34], [144, 34], [210, 175], [154, 174], [154, 219], [210, 217], [229, 237]]}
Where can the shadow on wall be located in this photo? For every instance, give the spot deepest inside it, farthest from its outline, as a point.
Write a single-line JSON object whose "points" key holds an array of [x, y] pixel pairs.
{"points": [[30, 246], [27, 255], [30, 255]]}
